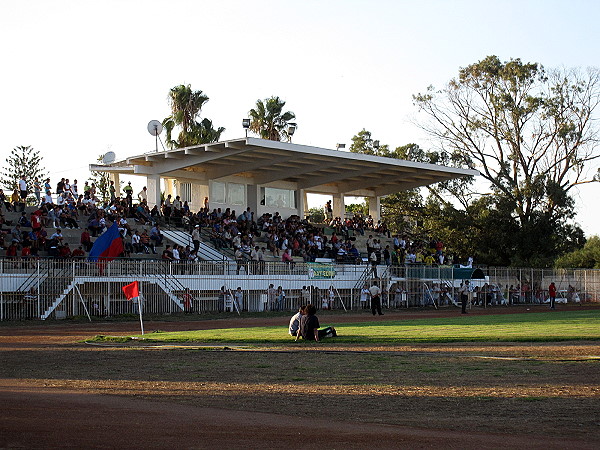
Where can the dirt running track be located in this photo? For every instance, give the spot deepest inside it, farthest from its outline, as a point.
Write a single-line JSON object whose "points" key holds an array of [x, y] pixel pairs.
{"points": [[35, 414]]}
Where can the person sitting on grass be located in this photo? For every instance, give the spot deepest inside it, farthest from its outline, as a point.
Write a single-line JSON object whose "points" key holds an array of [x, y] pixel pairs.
{"points": [[309, 326], [295, 321]]}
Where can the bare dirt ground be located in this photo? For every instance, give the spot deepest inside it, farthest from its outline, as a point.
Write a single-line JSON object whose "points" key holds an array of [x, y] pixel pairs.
{"points": [[56, 391]]}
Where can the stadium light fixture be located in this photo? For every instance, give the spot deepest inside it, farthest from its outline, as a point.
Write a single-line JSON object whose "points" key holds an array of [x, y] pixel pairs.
{"points": [[246, 125], [291, 130]]}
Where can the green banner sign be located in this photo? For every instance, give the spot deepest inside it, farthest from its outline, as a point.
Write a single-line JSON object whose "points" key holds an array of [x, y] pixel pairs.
{"points": [[320, 271]]}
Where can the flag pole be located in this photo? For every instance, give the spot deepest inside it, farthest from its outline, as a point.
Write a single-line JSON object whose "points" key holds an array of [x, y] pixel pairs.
{"points": [[140, 297]]}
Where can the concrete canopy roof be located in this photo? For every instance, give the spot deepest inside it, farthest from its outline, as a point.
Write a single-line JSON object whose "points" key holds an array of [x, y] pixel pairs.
{"points": [[313, 169]]}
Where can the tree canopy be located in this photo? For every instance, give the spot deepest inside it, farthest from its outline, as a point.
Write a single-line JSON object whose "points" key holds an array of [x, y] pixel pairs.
{"points": [[186, 105], [23, 160], [587, 257], [269, 121], [102, 181], [531, 134]]}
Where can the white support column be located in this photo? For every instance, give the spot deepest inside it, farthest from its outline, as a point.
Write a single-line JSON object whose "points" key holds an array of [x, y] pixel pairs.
{"points": [[301, 203], [375, 208], [169, 188], [112, 176], [339, 208], [153, 185]]}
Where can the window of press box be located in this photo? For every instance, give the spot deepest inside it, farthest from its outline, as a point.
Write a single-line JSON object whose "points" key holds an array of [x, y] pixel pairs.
{"points": [[278, 198]]}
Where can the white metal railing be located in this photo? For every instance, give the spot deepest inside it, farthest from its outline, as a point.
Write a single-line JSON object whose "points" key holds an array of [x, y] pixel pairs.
{"points": [[48, 288]]}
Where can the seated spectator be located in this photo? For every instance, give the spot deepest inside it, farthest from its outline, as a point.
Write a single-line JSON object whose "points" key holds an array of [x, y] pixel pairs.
{"points": [[86, 240], [167, 253], [16, 234], [155, 235], [12, 250], [23, 220], [94, 226], [26, 252], [57, 236], [295, 321], [286, 258], [64, 252], [36, 220], [147, 243], [136, 242], [309, 326], [5, 201], [78, 253], [15, 199]]}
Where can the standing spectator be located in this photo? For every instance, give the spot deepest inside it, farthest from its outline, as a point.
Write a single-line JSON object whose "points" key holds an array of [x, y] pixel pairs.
{"points": [[196, 238], [187, 301], [463, 291], [112, 191], [143, 195], [37, 190], [375, 294], [387, 256], [75, 190], [238, 298], [373, 261], [305, 295], [239, 259], [552, 294], [328, 210], [128, 194], [280, 298], [60, 187], [167, 206], [23, 192], [271, 295]]}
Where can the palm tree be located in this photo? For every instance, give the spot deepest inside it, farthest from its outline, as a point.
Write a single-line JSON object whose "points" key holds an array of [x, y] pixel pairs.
{"points": [[185, 111], [268, 121]]}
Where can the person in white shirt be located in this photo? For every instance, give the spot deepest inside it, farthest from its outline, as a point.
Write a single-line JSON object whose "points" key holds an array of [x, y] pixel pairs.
{"points": [[23, 193], [60, 200], [143, 195], [48, 198], [364, 296], [295, 321], [375, 293], [74, 189], [135, 242], [238, 298]]}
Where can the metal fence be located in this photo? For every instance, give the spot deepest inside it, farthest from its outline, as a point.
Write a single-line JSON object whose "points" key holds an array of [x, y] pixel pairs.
{"points": [[48, 288]]}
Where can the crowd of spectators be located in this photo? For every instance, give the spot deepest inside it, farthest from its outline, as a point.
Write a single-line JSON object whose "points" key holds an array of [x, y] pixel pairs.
{"points": [[67, 208], [250, 238]]}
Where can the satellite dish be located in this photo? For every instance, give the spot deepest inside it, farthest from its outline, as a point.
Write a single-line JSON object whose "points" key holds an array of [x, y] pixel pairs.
{"points": [[155, 127], [108, 158]]}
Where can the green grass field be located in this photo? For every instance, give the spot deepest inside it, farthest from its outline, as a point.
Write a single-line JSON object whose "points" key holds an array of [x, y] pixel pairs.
{"points": [[533, 327]]}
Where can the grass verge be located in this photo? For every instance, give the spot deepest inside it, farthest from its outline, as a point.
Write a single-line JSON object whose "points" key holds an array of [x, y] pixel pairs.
{"points": [[529, 327]]}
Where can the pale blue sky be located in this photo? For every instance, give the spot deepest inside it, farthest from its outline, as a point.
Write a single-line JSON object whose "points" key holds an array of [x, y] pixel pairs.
{"points": [[82, 77]]}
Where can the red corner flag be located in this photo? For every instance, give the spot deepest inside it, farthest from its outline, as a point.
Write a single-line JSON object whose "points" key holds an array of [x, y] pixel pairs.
{"points": [[131, 290]]}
